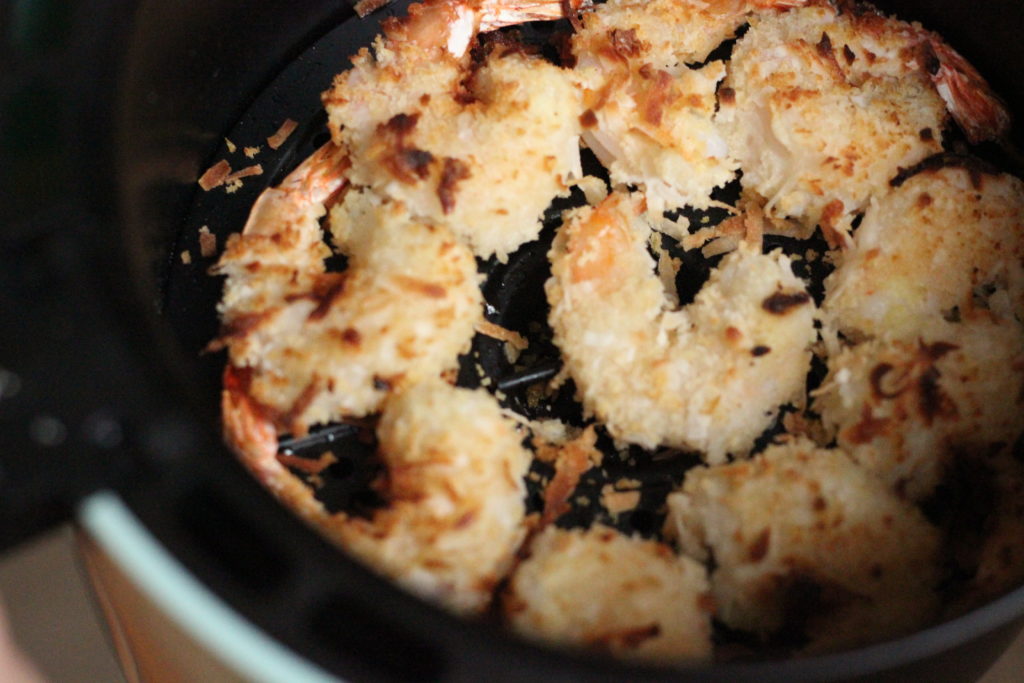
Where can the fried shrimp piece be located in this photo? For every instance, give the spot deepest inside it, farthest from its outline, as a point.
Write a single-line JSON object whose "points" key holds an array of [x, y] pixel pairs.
{"points": [[601, 589], [453, 492], [708, 377], [481, 148], [823, 108], [313, 346], [280, 251], [805, 541], [669, 33], [946, 241], [905, 408], [649, 117]]}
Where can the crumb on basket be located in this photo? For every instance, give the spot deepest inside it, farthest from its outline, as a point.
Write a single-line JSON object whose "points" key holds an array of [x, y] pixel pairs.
{"points": [[278, 138], [207, 242], [616, 500], [364, 7], [215, 175], [515, 343], [255, 169]]}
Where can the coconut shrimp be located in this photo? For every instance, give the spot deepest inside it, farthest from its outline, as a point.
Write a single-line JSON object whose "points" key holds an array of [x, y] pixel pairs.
{"points": [[709, 377], [822, 109], [649, 117], [454, 491], [905, 408], [947, 241], [599, 588], [805, 541], [313, 346], [482, 148]]}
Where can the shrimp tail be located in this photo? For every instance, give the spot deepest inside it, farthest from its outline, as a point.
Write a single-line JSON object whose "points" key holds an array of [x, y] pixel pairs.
{"points": [[454, 25], [247, 429], [495, 14], [979, 112]]}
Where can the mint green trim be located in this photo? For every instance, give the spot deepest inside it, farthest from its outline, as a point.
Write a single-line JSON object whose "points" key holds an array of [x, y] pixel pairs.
{"points": [[202, 615]]}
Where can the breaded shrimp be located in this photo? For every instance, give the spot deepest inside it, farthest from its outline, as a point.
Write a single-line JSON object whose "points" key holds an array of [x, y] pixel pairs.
{"points": [[948, 240], [454, 491], [823, 108], [601, 589], [648, 116], [670, 33], [313, 346], [806, 541], [479, 148], [709, 377], [905, 408]]}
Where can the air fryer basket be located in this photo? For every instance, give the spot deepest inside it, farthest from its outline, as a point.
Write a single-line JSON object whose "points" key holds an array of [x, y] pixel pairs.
{"points": [[182, 80]]}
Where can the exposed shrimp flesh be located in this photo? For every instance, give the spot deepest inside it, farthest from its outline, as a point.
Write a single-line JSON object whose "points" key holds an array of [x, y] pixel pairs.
{"points": [[649, 117], [822, 109]]}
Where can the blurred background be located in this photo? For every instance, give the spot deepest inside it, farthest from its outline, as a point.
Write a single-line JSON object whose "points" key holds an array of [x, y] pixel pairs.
{"points": [[57, 621]]}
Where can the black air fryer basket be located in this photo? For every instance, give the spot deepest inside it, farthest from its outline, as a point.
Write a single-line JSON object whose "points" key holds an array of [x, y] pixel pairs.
{"points": [[111, 111]]}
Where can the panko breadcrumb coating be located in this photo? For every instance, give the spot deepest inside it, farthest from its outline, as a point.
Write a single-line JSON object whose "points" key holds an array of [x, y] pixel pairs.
{"points": [[602, 590], [805, 540], [822, 110], [943, 243], [708, 377], [482, 150], [319, 346], [905, 408]]}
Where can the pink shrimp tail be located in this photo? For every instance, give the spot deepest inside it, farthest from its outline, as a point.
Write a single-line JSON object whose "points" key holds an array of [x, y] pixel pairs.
{"points": [[976, 108], [248, 432], [453, 25], [779, 4]]}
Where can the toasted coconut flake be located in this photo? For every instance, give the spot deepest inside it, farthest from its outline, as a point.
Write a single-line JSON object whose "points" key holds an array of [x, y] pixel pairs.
{"points": [[365, 7], [215, 176], [230, 145], [251, 152], [722, 245], [326, 459], [207, 242], [495, 331], [573, 459], [699, 238], [286, 129], [593, 188], [255, 169], [616, 499]]}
